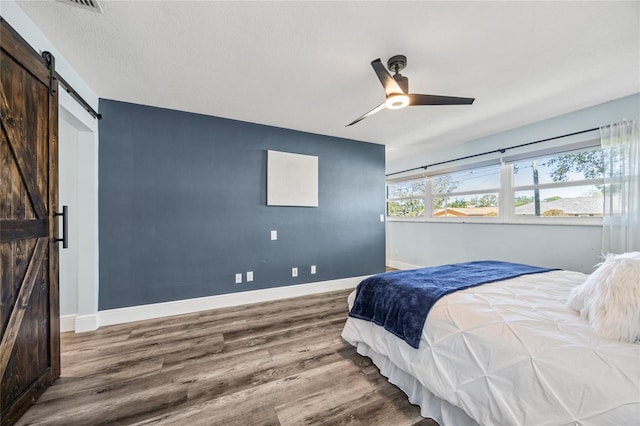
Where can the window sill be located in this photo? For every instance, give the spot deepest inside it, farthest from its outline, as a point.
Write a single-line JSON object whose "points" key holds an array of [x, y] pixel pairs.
{"points": [[595, 222]]}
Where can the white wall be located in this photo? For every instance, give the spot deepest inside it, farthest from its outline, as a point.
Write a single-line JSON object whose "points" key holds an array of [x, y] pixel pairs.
{"points": [[411, 244], [68, 196], [85, 165]]}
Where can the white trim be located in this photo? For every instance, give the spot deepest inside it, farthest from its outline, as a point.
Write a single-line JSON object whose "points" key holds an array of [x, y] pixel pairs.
{"points": [[470, 192], [550, 220], [178, 307], [506, 206], [86, 323], [401, 265], [68, 323], [552, 185]]}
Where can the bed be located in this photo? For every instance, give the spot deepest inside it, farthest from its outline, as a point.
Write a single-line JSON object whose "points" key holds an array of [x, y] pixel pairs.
{"points": [[508, 352]]}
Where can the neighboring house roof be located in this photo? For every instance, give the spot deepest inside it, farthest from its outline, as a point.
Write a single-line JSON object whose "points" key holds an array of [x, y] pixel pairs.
{"points": [[579, 206], [466, 211]]}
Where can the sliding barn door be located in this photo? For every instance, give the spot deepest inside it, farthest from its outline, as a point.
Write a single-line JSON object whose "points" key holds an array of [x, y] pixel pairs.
{"points": [[30, 348]]}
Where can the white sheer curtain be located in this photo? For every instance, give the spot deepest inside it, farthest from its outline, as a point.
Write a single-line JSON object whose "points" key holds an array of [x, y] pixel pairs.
{"points": [[621, 222]]}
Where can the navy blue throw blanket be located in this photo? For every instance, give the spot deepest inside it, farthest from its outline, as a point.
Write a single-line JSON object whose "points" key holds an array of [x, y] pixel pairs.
{"points": [[400, 301]]}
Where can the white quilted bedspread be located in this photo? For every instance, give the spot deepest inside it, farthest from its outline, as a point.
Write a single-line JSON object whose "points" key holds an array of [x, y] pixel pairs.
{"points": [[513, 353]]}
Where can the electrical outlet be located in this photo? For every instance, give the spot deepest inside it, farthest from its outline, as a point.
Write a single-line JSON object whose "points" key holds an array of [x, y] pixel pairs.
{"points": [[294, 272], [274, 235], [313, 269], [238, 278], [249, 276]]}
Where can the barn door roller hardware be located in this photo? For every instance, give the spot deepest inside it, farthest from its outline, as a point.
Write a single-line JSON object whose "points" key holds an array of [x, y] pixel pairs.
{"points": [[51, 62]]}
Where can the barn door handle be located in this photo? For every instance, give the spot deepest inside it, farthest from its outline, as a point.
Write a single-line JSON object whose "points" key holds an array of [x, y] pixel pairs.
{"points": [[65, 227]]}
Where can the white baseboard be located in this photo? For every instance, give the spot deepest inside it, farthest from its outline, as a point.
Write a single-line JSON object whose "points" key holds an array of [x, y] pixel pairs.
{"points": [[86, 323], [401, 265], [68, 323], [178, 307]]}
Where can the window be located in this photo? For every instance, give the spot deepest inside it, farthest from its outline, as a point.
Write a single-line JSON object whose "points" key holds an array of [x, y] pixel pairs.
{"points": [[561, 185], [467, 193], [567, 186], [406, 198]]}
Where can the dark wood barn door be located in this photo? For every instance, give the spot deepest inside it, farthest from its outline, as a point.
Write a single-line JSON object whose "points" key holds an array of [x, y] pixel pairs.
{"points": [[30, 348]]}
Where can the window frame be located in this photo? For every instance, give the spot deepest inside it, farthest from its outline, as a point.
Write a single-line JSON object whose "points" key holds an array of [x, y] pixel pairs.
{"points": [[577, 220], [505, 192], [418, 196], [488, 190]]}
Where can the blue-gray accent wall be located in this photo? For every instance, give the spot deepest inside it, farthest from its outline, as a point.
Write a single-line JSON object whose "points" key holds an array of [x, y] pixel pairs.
{"points": [[182, 207]]}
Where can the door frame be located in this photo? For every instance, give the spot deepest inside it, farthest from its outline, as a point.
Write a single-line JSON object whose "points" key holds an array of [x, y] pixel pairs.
{"points": [[85, 215]]}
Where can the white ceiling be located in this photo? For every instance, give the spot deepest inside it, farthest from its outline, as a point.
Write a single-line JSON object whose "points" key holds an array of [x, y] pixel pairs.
{"points": [[305, 65]]}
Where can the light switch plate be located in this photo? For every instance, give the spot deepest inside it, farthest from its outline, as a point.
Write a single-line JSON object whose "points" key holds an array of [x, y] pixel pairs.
{"points": [[313, 269], [381, 218], [294, 272], [274, 235], [238, 278]]}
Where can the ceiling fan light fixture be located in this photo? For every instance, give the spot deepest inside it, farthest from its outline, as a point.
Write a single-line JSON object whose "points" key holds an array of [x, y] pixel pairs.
{"points": [[396, 87], [396, 101]]}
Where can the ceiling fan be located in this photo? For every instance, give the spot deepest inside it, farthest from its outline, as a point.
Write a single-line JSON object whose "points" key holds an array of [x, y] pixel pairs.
{"points": [[397, 89]]}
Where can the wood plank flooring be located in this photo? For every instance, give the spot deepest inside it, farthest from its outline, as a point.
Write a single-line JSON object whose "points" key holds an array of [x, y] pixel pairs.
{"points": [[274, 363]]}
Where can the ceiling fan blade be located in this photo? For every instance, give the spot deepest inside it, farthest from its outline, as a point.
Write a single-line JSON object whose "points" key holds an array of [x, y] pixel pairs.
{"points": [[415, 99], [373, 111], [389, 84]]}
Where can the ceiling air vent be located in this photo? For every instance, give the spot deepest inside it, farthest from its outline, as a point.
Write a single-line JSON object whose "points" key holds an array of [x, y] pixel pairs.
{"points": [[92, 5]]}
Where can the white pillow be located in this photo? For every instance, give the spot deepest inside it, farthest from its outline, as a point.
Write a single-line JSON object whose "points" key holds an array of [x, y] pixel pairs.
{"points": [[610, 298]]}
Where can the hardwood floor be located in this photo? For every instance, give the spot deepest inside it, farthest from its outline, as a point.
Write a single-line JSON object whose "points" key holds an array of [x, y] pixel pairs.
{"points": [[274, 363]]}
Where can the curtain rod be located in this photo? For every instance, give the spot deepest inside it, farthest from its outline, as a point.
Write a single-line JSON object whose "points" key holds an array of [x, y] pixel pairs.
{"points": [[501, 150], [48, 57]]}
